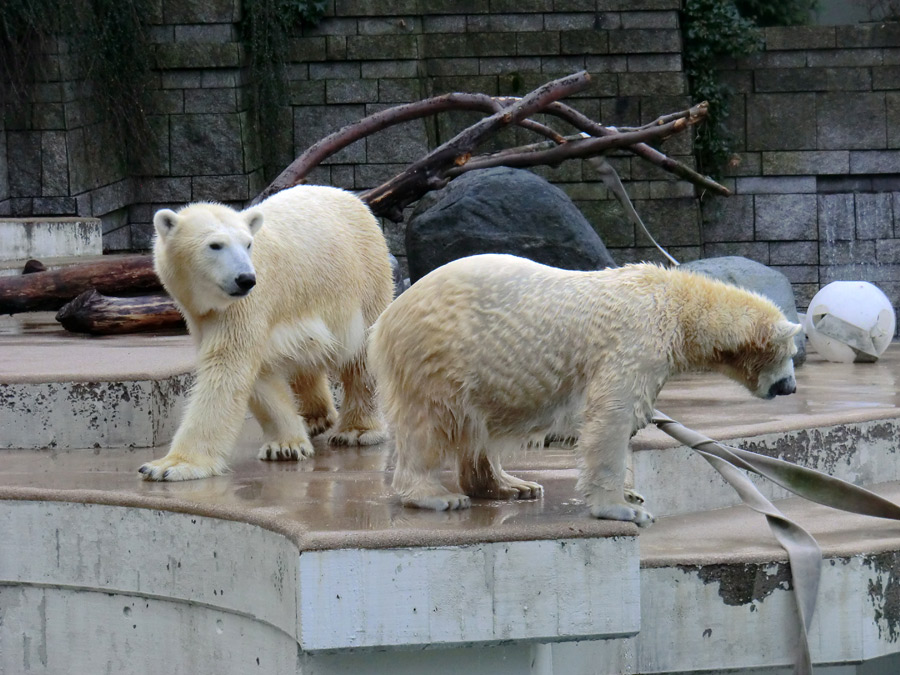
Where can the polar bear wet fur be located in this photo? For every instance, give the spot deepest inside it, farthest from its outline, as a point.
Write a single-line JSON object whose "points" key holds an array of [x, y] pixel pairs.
{"points": [[277, 297], [492, 352]]}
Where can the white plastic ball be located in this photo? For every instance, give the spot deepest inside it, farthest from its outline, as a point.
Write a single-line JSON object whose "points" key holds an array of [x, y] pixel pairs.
{"points": [[850, 321]]}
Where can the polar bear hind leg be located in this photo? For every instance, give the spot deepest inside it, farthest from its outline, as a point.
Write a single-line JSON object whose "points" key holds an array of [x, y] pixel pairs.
{"points": [[359, 422], [480, 475], [316, 402], [273, 405]]}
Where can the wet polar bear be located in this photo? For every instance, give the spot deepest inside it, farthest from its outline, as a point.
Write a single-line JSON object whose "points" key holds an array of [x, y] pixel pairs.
{"points": [[276, 297], [493, 351]]}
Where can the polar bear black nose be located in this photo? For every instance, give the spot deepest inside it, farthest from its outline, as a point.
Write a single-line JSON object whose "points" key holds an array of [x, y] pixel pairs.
{"points": [[783, 387], [245, 281]]}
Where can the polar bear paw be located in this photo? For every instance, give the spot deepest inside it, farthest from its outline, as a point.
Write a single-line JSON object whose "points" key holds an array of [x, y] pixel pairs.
{"points": [[179, 468], [290, 451], [320, 424], [633, 497], [357, 437], [627, 512], [441, 502]]}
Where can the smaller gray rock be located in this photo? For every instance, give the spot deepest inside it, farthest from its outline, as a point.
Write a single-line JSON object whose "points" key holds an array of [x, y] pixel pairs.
{"points": [[754, 276]]}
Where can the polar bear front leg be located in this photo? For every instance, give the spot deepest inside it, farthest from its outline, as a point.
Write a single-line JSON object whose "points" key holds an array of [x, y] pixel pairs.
{"points": [[359, 422], [212, 421], [604, 447], [275, 409]]}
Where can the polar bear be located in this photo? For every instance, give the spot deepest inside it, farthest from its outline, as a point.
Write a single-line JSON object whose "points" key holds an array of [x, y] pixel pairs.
{"points": [[276, 297], [494, 351]]}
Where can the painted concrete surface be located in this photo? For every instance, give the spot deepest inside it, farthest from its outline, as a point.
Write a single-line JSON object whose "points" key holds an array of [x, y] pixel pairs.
{"points": [[24, 238]]}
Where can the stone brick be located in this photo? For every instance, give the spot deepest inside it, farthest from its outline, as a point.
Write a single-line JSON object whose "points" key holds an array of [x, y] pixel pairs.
{"points": [[520, 65], [654, 63], [199, 11], [53, 206], [875, 161], [400, 143], [24, 157], [790, 79], [465, 44], [672, 222], [845, 252], [379, 69], [799, 37], [805, 163], [210, 101], [210, 32], [779, 185], [644, 40], [305, 92], [372, 175], [844, 58], [183, 55], [444, 24], [649, 19], [887, 251], [837, 217], [504, 23], [220, 188], [892, 106], [537, 44], [351, 91], [570, 21], [781, 122], [500, 6], [333, 71], [744, 164], [850, 122], [445, 67], [769, 59], [785, 217], [755, 250], [390, 25], [399, 90], [874, 216], [794, 253], [54, 164], [727, 219], [367, 8], [390, 47], [312, 123], [609, 221], [168, 190], [887, 77], [181, 79], [848, 79], [206, 144], [872, 272], [832, 184], [797, 273], [584, 42], [652, 84], [880, 34]]}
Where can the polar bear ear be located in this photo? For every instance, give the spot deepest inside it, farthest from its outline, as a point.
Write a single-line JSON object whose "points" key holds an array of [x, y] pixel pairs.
{"points": [[254, 220], [785, 329], [165, 221]]}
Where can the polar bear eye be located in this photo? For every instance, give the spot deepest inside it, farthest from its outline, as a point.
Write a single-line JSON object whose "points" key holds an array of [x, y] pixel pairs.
{"points": [[249, 245], [216, 246]]}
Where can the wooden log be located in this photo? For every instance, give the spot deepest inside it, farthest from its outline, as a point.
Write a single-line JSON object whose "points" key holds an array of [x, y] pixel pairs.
{"points": [[92, 312], [43, 291]]}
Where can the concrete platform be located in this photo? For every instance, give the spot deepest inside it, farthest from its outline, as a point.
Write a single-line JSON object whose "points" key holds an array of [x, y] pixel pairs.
{"points": [[313, 567]]}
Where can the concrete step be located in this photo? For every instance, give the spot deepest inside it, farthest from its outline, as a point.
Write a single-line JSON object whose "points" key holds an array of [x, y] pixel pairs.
{"points": [[61, 390], [24, 238]]}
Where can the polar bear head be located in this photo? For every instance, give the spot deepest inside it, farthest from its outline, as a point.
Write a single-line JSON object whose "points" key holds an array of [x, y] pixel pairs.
{"points": [[203, 252], [765, 364]]}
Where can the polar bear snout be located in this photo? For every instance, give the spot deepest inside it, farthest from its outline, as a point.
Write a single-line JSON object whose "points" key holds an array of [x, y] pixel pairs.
{"points": [[244, 281], [783, 387]]}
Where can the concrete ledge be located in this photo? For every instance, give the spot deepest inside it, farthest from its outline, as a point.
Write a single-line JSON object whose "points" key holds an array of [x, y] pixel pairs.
{"points": [[23, 238]]}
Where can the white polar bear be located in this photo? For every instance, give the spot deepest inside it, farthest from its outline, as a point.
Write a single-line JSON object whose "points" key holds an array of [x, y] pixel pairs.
{"points": [[494, 351], [276, 297]]}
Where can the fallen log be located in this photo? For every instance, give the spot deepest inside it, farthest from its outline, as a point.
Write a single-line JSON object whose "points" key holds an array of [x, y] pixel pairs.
{"points": [[42, 291], [97, 314]]}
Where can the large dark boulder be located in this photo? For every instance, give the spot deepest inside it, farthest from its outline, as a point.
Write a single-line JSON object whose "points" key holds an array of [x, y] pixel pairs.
{"points": [[759, 278], [501, 210]]}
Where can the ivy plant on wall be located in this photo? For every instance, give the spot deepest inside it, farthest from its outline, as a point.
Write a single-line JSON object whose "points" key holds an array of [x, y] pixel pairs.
{"points": [[714, 30], [266, 29]]}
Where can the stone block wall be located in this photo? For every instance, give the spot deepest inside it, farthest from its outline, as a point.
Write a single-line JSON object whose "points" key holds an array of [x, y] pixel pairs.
{"points": [[816, 179], [817, 176]]}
